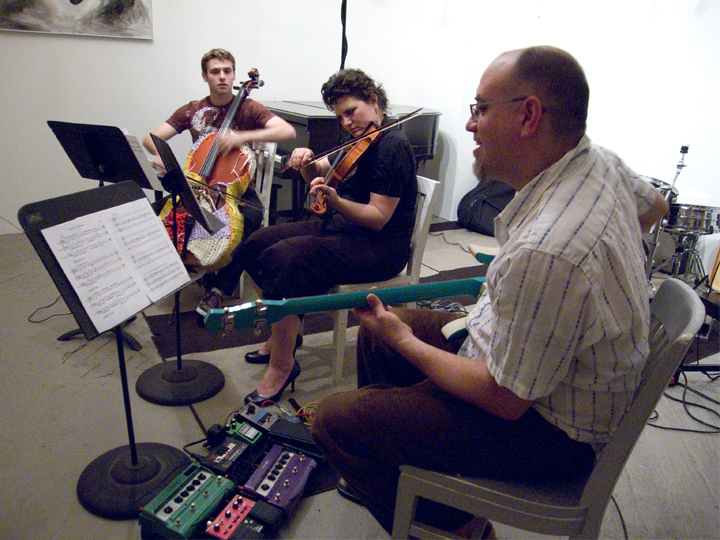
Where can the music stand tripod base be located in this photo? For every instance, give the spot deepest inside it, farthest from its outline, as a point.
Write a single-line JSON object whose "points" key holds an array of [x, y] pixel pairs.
{"points": [[112, 487], [168, 384], [127, 338]]}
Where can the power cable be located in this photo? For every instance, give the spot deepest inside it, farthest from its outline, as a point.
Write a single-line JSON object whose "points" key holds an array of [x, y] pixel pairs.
{"points": [[11, 224], [712, 429], [30, 319], [343, 20]]}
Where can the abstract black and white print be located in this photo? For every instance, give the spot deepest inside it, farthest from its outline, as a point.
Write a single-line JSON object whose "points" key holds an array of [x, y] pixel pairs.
{"points": [[111, 18]]}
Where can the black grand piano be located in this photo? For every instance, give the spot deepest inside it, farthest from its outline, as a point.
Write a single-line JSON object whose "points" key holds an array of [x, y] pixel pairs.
{"points": [[318, 129]]}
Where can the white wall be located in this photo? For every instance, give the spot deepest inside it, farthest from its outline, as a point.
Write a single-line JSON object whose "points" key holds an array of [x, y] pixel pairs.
{"points": [[652, 67]]}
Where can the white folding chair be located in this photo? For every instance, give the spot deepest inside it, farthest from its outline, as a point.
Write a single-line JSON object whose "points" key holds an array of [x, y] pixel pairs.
{"points": [[428, 194], [265, 157], [262, 183], [573, 509]]}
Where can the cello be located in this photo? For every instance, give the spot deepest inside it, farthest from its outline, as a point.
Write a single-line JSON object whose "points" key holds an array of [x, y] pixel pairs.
{"points": [[219, 181]]}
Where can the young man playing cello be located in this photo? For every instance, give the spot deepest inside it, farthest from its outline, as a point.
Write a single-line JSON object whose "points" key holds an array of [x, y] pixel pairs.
{"points": [[252, 122]]}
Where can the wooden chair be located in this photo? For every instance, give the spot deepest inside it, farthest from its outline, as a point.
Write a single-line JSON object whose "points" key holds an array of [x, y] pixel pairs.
{"points": [[573, 509], [428, 194]]}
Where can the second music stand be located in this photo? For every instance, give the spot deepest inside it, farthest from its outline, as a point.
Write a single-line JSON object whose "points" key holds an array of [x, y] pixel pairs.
{"points": [[184, 381], [105, 154]]}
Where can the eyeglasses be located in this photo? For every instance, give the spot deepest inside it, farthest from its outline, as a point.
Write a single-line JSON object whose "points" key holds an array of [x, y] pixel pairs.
{"points": [[481, 107]]}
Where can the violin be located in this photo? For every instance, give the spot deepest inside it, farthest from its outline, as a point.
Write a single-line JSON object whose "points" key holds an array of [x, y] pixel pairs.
{"points": [[345, 164], [347, 144]]}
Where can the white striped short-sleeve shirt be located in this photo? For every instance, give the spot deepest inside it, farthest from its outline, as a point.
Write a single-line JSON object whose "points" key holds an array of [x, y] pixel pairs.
{"points": [[564, 321]]}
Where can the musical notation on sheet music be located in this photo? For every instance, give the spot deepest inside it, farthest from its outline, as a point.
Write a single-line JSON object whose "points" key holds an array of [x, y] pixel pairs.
{"points": [[119, 261]]}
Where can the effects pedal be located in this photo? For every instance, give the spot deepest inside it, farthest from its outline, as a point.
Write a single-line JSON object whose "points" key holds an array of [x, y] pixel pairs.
{"points": [[231, 454], [281, 477], [244, 518], [180, 509], [280, 428], [256, 416], [243, 430], [230, 518]]}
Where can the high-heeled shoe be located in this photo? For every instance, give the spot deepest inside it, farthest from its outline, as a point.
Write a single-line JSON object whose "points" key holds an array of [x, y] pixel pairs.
{"points": [[255, 357], [258, 399]]}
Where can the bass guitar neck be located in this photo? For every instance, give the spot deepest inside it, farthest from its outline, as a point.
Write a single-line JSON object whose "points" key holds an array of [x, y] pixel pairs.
{"points": [[262, 312]]}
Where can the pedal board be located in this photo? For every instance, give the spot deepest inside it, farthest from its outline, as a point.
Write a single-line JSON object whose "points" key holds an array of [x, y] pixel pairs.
{"points": [[244, 518], [180, 509], [280, 428], [281, 477]]}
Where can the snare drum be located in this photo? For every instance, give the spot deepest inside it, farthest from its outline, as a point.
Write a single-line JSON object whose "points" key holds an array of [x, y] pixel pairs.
{"points": [[687, 218]]}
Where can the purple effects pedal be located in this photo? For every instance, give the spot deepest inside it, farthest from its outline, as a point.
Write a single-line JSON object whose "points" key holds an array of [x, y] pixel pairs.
{"points": [[281, 477]]}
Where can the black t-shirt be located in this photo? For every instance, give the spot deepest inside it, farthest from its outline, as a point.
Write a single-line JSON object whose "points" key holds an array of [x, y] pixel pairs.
{"points": [[386, 168]]}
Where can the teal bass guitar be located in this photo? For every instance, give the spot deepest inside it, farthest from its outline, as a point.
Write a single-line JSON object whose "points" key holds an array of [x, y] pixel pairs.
{"points": [[263, 312]]}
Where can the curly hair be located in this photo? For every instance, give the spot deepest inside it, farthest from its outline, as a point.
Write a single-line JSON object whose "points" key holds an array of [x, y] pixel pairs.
{"points": [[218, 54], [352, 82]]}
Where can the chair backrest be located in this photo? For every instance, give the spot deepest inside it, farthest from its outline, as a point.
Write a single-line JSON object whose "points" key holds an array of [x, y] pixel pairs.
{"points": [[676, 316], [265, 156], [428, 193]]}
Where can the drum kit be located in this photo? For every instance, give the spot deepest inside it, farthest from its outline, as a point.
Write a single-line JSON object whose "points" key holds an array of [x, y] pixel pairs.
{"points": [[671, 246]]}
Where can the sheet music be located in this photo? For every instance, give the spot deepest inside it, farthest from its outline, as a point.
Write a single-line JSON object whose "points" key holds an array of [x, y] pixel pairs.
{"points": [[144, 162], [118, 260]]}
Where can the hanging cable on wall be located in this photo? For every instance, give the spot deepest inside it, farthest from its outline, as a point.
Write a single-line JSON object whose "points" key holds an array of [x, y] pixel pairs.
{"points": [[343, 19]]}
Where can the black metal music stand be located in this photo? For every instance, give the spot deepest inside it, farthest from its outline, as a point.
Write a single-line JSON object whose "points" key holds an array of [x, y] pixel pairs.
{"points": [[184, 381], [105, 154], [119, 482]]}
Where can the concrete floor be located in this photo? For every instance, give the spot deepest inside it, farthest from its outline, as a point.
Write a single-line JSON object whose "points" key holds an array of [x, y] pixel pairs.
{"points": [[62, 407]]}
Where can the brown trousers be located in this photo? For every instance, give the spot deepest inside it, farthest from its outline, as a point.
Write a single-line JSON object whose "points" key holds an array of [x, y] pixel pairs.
{"points": [[397, 417]]}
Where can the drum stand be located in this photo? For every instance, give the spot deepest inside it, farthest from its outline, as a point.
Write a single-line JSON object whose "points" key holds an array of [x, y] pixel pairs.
{"points": [[655, 231], [689, 262]]}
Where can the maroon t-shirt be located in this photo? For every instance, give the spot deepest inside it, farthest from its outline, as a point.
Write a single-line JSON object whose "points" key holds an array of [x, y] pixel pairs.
{"points": [[202, 117]]}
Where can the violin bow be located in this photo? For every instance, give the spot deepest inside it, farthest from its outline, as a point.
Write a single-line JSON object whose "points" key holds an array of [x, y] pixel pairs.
{"points": [[392, 124]]}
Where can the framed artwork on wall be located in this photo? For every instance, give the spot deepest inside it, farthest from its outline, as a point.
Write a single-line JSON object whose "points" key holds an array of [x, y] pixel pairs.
{"points": [[105, 18]]}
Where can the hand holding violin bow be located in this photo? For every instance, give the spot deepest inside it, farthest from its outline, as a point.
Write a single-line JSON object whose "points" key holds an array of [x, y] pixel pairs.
{"points": [[349, 155]]}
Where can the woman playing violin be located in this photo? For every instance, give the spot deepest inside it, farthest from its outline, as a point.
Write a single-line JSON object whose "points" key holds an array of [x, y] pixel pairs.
{"points": [[363, 236]]}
